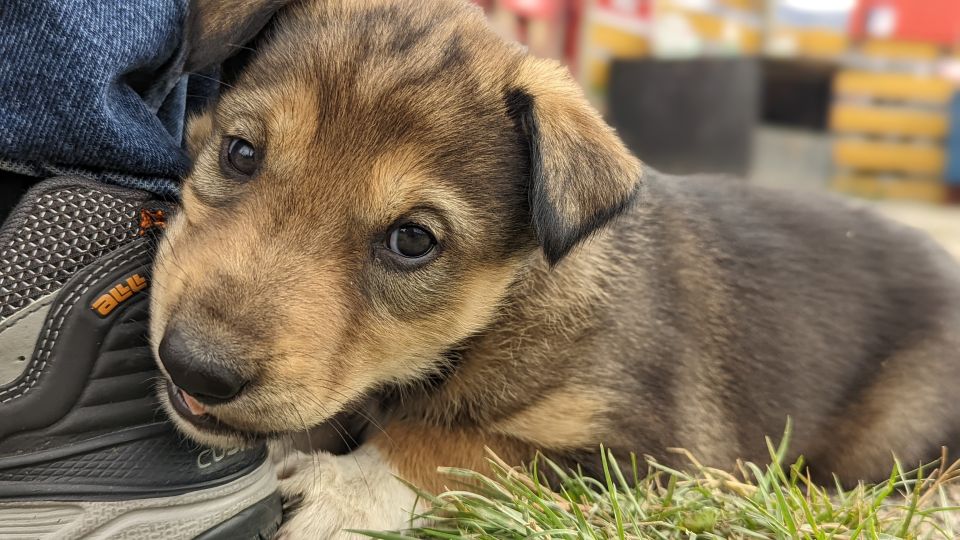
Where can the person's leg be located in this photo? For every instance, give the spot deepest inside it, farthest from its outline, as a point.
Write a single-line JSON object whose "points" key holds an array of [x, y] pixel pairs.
{"points": [[91, 111], [81, 86]]}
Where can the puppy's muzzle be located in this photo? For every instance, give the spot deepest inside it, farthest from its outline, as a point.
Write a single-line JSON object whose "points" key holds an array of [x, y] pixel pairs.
{"points": [[195, 368]]}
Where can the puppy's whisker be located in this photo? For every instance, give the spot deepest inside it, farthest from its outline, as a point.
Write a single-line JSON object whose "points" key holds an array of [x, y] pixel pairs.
{"points": [[342, 433], [241, 47], [347, 404], [209, 78], [310, 446]]}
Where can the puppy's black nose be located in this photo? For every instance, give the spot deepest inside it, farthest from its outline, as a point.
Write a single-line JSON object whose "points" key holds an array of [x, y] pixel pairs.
{"points": [[197, 372]]}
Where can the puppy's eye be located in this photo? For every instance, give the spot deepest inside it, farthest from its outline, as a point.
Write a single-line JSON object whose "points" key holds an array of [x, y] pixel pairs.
{"points": [[239, 157], [411, 241]]}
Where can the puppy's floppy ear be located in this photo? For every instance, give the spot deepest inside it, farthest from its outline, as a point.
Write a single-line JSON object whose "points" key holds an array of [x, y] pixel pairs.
{"points": [[219, 29], [581, 174]]}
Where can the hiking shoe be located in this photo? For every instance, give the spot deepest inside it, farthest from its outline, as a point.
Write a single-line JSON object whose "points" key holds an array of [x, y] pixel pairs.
{"points": [[85, 450]]}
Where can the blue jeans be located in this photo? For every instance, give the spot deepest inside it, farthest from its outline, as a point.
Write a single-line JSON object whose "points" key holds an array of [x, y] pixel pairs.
{"points": [[95, 88]]}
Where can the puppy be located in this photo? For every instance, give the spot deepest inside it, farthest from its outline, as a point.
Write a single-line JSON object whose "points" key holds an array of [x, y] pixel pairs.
{"points": [[405, 229]]}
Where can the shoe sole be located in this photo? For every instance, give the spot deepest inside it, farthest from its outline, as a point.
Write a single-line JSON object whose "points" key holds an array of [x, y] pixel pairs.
{"points": [[248, 508]]}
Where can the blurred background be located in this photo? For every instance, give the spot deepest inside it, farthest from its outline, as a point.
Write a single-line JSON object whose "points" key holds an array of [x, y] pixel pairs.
{"points": [[861, 97]]}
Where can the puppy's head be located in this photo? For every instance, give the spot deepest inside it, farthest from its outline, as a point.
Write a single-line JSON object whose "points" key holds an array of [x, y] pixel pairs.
{"points": [[365, 192]]}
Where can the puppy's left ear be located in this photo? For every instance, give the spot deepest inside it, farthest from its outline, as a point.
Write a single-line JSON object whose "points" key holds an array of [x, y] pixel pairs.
{"points": [[581, 174], [217, 30]]}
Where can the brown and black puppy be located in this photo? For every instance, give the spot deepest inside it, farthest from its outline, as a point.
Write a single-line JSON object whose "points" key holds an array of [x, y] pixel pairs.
{"points": [[398, 217]]}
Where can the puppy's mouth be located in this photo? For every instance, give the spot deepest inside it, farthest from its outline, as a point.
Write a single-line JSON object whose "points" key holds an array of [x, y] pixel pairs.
{"points": [[339, 435], [198, 415]]}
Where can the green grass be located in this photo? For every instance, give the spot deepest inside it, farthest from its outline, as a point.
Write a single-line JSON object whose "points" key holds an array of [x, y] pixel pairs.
{"points": [[645, 499]]}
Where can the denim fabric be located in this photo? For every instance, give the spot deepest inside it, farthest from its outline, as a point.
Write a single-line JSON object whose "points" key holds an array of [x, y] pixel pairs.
{"points": [[94, 87]]}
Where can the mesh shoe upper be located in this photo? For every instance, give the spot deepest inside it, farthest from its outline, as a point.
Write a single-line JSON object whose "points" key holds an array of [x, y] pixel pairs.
{"points": [[79, 417], [64, 230]]}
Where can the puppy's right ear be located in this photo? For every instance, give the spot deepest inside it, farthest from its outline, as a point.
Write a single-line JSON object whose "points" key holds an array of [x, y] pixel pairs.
{"points": [[581, 174], [219, 29]]}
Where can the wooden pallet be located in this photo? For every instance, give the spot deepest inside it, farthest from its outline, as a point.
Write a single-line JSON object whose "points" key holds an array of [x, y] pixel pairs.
{"points": [[847, 118], [891, 125], [895, 157], [901, 87]]}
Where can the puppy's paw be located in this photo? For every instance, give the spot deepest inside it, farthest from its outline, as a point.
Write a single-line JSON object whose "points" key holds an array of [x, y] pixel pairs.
{"points": [[333, 493]]}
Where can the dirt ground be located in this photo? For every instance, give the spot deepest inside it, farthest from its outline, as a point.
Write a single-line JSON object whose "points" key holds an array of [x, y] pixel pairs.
{"points": [[942, 222]]}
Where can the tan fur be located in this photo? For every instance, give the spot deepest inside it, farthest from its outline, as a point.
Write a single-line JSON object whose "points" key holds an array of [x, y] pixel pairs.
{"points": [[561, 419], [309, 356], [416, 451], [573, 300]]}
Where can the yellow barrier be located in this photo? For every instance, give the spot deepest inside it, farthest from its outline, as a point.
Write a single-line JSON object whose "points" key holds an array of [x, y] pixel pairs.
{"points": [[812, 42], [715, 28], [900, 50], [619, 43]]}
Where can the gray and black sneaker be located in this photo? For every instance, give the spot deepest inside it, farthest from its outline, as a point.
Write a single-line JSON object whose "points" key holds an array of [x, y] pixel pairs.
{"points": [[85, 451]]}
